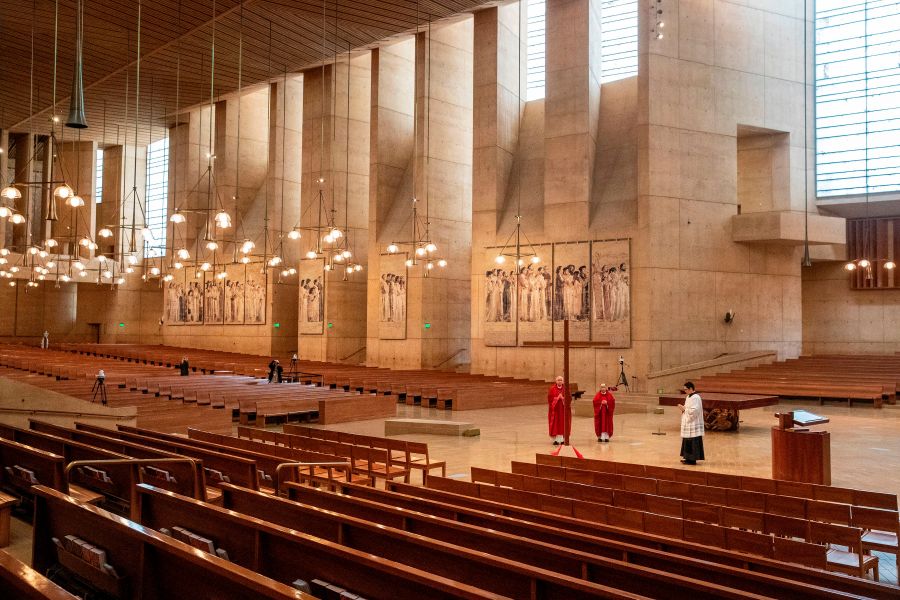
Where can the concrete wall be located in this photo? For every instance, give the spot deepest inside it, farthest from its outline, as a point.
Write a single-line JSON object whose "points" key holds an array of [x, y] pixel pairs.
{"points": [[838, 320]]}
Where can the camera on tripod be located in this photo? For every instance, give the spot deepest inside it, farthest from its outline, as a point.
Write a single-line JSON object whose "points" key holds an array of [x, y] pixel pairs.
{"points": [[98, 392]]}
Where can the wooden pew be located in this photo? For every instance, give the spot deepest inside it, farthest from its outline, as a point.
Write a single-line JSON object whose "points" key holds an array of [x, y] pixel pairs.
{"points": [[469, 567], [534, 552], [146, 564], [285, 554], [20, 582], [453, 527], [240, 471], [631, 544], [826, 493]]}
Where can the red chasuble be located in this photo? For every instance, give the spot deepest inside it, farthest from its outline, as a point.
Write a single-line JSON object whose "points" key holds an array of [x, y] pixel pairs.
{"points": [[556, 413], [603, 413]]}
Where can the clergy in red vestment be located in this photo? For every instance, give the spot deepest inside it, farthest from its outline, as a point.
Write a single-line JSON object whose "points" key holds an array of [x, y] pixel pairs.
{"points": [[604, 407], [556, 413]]}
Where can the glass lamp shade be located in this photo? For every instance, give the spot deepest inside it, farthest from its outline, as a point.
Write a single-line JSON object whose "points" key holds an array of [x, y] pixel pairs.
{"points": [[75, 201], [328, 238], [285, 273], [212, 245], [17, 219], [864, 263], [247, 247], [535, 260], [327, 267], [120, 280], [32, 251], [850, 266], [205, 266], [10, 193], [294, 234], [429, 265], [420, 251], [409, 262], [132, 259], [154, 271], [129, 269], [338, 257], [430, 247], [106, 232], [393, 249], [349, 269], [5, 212], [12, 284], [177, 266], [43, 254], [292, 271], [65, 278], [245, 260], [177, 217], [890, 265], [51, 264], [336, 233], [63, 192], [311, 254], [107, 274], [51, 243], [223, 220], [275, 261], [78, 265], [3, 260], [4, 251], [82, 273], [357, 267], [14, 269], [183, 254], [442, 263], [86, 242], [346, 254], [221, 275], [500, 259]]}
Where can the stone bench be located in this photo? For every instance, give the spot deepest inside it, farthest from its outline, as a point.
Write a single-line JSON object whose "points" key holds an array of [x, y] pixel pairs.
{"points": [[430, 426]]}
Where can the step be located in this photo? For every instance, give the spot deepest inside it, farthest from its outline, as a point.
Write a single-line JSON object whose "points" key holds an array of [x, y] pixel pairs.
{"points": [[430, 426]]}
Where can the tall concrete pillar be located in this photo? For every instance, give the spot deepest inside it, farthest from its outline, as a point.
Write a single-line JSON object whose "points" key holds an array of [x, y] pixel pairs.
{"points": [[5, 225], [345, 191], [24, 151], [390, 175], [77, 166], [572, 113]]}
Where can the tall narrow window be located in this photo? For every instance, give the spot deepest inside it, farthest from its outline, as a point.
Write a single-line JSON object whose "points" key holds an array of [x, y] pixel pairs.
{"points": [[857, 97], [536, 13], [618, 39], [157, 197], [98, 177]]}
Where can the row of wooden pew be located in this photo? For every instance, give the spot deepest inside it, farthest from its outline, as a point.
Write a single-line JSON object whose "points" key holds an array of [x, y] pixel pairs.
{"points": [[448, 390], [873, 378], [826, 534], [133, 384], [402, 542]]}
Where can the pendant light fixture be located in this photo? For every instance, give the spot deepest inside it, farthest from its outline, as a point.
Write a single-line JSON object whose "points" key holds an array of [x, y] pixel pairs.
{"points": [[76, 118], [517, 246], [421, 249]]}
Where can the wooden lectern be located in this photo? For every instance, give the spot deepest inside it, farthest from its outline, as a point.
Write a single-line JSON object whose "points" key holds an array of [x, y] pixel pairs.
{"points": [[799, 454]]}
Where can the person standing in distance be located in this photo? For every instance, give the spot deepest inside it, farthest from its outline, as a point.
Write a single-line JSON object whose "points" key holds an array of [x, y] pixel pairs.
{"points": [[691, 426], [604, 407], [556, 411]]}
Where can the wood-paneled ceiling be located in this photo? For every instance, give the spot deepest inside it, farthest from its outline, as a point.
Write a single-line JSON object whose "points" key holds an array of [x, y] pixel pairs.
{"points": [[175, 37]]}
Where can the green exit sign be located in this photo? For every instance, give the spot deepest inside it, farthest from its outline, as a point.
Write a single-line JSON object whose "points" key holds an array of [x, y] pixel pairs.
{"points": [[330, 325], [121, 324], [427, 325], [276, 325]]}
